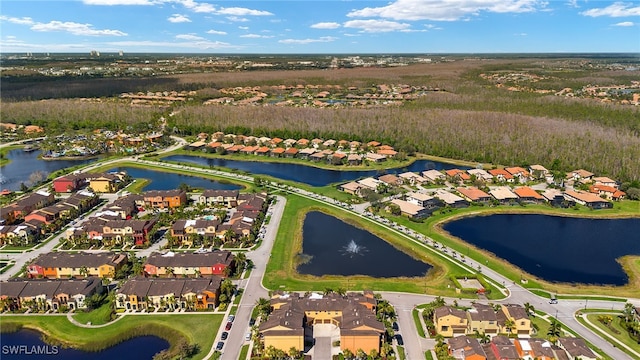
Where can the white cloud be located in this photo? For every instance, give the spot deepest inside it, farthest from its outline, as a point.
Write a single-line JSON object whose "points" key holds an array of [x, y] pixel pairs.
{"points": [[237, 11], [445, 10], [75, 29], [373, 26], [326, 25], [256, 36], [191, 37], [624, 23], [243, 27], [119, 2], [202, 45], [308, 41], [617, 9], [178, 18], [15, 20], [520, 34], [198, 7], [216, 32], [237, 19]]}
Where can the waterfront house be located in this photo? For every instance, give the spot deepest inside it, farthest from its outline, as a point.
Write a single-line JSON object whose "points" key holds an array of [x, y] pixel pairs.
{"points": [[503, 195], [306, 152], [354, 159], [219, 198], [391, 180], [45, 294], [351, 188], [376, 158], [291, 152], [410, 209], [587, 199], [68, 183], [474, 194], [164, 199], [528, 195], [411, 178], [607, 192], [449, 199], [196, 293], [370, 183], [501, 175], [433, 175]]}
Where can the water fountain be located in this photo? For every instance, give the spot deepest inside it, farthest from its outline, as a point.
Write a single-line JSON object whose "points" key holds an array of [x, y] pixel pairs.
{"points": [[353, 249]]}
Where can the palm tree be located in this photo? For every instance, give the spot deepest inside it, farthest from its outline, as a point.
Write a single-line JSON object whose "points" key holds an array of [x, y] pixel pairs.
{"points": [[170, 271], [84, 271], [529, 308], [628, 312], [555, 330], [509, 324], [264, 307]]}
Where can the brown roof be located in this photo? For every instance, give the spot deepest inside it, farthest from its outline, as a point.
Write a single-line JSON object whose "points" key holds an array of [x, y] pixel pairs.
{"points": [[469, 345], [576, 347], [190, 259], [448, 310], [78, 260]]}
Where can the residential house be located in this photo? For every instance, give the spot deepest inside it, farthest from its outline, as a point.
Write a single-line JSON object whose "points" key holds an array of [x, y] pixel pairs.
{"points": [[451, 200], [370, 183], [165, 199], [607, 192], [391, 180], [528, 195], [125, 206], [119, 231], [555, 197], [353, 314], [457, 175], [195, 293], [603, 180], [521, 321], [501, 175], [480, 174], [483, 319], [107, 182], [262, 151], [411, 178], [423, 200], [28, 204], [474, 194], [449, 321], [337, 158], [184, 231], [291, 152], [306, 152], [390, 153], [217, 198], [580, 175], [170, 264], [351, 188], [503, 194], [22, 234], [466, 348], [68, 183], [434, 175], [376, 158], [45, 294], [411, 210], [519, 173], [576, 348], [539, 172], [587, 199], [541, 349], [57, 265], [354, 159], [503, 349]]}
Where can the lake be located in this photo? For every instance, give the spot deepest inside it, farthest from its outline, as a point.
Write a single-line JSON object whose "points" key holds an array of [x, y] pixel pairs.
{"points": [[555, 248], [138, 348], [338, 248], [307, 174], [24, 163], [168, 180]]}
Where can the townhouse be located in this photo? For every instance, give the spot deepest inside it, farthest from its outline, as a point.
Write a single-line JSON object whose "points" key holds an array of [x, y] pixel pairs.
{"points": [[219, 198], [164, 199], [172, 264], [44, 294], [466, 348], [484, 319], [184, 231], [293, 315], [576, 348], [449, 321], [140, 293], [57, 265], [26, 205], [112, 230], [23, 234]]}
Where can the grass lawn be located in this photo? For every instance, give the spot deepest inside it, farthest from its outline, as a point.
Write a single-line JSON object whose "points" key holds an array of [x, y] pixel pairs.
{"points": [[99, 316], [615, 330], [416, 318], [281, 274], [401, 354], [196, 328]]}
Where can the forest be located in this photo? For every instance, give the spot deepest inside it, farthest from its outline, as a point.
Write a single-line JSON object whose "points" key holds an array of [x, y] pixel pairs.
{"points": [[469, 119]]}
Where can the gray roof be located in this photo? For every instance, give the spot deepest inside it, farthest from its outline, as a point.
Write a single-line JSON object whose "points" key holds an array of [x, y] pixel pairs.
{"points": [[78, 260], [190, 259]]}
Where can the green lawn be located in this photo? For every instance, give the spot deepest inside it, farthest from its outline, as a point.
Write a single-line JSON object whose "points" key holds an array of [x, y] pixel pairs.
{"points": [[195, 328], [99, 316], [618, 332], [416, 318], [281, 274]]}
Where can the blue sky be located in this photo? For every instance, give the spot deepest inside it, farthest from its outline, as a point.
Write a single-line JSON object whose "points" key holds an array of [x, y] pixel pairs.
{"points": [[307, 26]]}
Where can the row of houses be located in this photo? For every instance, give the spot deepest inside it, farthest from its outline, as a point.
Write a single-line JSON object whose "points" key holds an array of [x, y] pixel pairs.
{"points": [[508, 319], [501, 347], [45, 294], [294, 315], [98, 182], [26, 220], [105, 265]]}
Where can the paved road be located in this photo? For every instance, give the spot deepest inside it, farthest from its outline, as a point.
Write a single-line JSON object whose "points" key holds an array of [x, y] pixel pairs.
{"points": [[253, 289]]}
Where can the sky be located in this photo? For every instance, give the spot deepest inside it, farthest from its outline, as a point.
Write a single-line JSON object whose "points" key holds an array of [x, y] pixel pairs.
{"points": [[320, 26]]}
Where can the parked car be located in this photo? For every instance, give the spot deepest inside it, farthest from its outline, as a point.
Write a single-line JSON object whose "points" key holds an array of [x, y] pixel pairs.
{"points": [[228, 327], [394, 326], [399, 340], [231, 318], [553, 301], [224, 336], [220, 345]]}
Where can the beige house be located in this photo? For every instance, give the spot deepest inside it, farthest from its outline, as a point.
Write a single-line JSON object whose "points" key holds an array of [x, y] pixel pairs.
{"points": [[450, 322]]}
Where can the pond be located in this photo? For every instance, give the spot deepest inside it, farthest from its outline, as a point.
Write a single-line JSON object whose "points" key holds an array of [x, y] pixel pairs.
{"points": [[333, 247], [307, 174], [24, 163], [26, 344], [168, 180], [555, 248]]}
